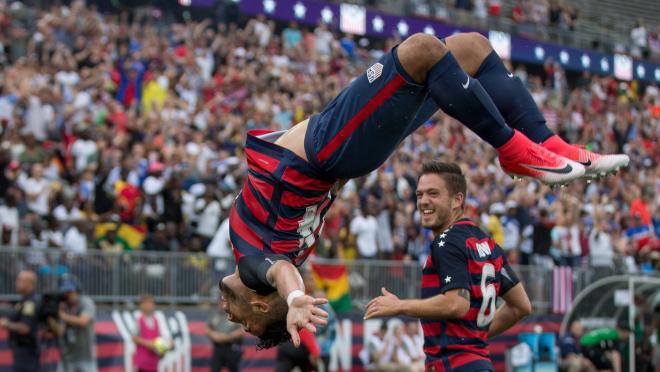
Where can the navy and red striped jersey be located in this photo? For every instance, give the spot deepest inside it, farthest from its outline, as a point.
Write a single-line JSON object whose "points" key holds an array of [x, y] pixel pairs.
{"points": [[282, 205], [463, 256]]}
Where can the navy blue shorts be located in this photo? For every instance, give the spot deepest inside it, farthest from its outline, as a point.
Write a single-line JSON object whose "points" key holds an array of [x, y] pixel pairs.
{"points": [[364, 124]]}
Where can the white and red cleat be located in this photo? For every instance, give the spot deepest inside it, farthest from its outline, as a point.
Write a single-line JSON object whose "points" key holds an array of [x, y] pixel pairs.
{"points": [[596, 165], [520, 157]]}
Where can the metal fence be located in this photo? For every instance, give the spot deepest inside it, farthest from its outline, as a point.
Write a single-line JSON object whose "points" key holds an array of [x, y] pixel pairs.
{"points": [[183, 278]]}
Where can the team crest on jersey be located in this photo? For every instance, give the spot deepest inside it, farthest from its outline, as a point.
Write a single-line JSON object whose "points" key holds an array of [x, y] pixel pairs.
{"points": [[374, 72]]}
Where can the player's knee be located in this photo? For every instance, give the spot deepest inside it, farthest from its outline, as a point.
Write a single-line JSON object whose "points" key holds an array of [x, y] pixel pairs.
{"points": [[479, 43], [418, 53], [470, 49]]}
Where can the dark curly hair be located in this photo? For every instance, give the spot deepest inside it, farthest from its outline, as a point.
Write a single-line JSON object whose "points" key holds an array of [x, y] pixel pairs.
{"points": [[275, 331], [274, 335]]}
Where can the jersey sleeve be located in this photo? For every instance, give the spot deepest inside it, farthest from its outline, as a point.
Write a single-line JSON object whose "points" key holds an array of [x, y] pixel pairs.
{"points": [[252, 270], [451, 262], [507, 276]]}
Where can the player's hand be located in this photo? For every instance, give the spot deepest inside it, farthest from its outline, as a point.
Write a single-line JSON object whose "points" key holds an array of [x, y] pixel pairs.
{"points": [[386, 305], [303, 313], [4, 322]]}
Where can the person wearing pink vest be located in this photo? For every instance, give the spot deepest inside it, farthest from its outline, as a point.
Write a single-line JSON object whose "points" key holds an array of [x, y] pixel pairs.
{"points": [[147, 354]]}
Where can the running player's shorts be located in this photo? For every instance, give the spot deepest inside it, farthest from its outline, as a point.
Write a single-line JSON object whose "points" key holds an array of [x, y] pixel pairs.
{"points": [[363, 125]]}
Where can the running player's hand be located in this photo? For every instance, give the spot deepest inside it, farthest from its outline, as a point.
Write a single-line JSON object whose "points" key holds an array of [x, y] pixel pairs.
{"points": [[385, 305], [303, 313]]}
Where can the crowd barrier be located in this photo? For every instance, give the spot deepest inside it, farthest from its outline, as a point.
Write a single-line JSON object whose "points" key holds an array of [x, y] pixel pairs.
{"points": [[182, 278]]}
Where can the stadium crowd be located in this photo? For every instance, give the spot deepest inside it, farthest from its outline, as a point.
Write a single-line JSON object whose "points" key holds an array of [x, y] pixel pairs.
{"points": [[132, 120]]}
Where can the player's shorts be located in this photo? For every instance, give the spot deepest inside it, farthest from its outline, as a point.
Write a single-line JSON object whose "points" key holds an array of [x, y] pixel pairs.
{"points": [[362, 126]]}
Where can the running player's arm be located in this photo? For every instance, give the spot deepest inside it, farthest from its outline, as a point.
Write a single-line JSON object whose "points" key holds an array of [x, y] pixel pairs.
{"points": [[454, 300], [516, 303]]}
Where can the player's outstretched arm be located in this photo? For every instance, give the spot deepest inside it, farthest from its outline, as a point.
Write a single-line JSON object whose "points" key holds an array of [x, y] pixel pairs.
{"points": [[453, 304], [516, 307], [303, 311]]}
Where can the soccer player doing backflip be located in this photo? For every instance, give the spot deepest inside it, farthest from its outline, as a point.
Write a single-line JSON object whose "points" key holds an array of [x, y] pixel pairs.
{"points": [[294, 175]]}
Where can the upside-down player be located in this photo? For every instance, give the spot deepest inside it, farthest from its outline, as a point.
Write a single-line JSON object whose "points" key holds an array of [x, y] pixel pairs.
{"points": [[461, 280], [293, 176]]}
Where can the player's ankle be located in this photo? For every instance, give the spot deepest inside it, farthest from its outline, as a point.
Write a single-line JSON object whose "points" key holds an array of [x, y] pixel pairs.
{"points": [[557, 145], [512, 143]]}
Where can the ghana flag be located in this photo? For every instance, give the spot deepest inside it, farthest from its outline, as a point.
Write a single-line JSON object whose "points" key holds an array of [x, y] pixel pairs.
{"points": [[130, 236], [333, 279]]}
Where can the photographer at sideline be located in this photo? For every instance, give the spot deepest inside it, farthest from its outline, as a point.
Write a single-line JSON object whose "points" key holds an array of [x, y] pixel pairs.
{"points": [[76, 330], [22, 325]]}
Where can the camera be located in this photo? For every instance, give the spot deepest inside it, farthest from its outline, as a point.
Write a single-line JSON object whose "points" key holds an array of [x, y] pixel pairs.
{"points": [[50, 306]]}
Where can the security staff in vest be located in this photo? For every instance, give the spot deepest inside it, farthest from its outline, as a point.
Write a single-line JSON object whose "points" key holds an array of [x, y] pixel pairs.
{"points": [[22, 325]]}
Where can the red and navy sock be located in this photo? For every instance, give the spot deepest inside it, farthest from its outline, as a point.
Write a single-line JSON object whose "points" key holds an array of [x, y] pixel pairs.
{"points": [[512, 99], [464, 99]]}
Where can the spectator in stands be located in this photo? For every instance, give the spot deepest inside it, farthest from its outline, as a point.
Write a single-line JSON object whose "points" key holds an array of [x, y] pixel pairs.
{"points": [[572, 359], [323, 41], [639, 235], [494, 223], [227, 340], [291, 36], [109, 243], [365, 226], [377, 352], [209, 211], [542, 240], [642, 204], [37, 190], [404, 358], [639, 39], [414, 343], [76, 330], [511, 229], [517, 12], [9, 220], [150, 347], [68, 211], [601, 246], [566, 239], [75, 238]]}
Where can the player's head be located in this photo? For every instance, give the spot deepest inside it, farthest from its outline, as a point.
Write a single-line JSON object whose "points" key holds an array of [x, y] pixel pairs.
{"points": [[26, 282], [576, 328], [147, 304], [262, 316], [441, 190]]}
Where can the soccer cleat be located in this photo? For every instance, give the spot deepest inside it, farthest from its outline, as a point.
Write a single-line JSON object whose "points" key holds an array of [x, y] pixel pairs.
{"points": [[596, 165], [520, 157]]}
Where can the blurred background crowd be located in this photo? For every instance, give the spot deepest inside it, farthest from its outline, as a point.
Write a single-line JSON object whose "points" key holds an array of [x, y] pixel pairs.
{"points": [[135, 121]]}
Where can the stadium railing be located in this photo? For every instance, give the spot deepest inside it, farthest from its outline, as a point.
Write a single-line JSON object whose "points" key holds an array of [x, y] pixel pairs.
{"points": [[184, 278]]}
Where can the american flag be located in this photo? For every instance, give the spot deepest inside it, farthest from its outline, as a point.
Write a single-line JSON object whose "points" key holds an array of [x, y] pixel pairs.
{"points": [[562, 289]]}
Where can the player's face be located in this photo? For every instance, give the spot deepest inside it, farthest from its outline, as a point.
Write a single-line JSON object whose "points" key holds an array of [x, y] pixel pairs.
{"points": [[433, 201], [235, 302]]}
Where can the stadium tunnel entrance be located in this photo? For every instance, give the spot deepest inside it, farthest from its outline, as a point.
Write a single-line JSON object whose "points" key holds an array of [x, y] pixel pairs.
{"points": [[615, 300]]}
